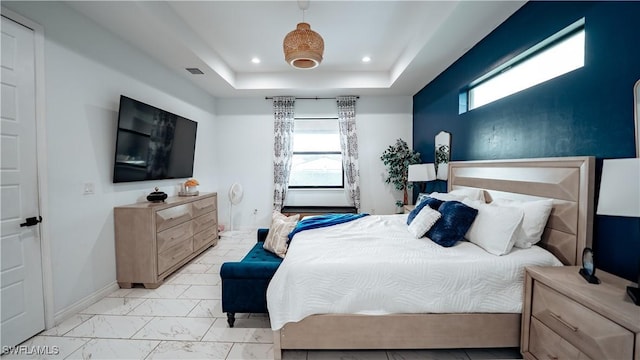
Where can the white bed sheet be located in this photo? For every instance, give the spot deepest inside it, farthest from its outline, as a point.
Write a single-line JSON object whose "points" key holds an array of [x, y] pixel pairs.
{"points": [[374, 266]]}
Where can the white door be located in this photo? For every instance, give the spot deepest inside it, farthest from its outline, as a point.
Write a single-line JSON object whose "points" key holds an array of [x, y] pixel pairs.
{"points": [[21, 293]]}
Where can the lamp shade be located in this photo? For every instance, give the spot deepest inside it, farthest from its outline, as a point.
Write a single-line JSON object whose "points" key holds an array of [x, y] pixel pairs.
{"points": [[620, 188], [421, 172], [303, 47]]}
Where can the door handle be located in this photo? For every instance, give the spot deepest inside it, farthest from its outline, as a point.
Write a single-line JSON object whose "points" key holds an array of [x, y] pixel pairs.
{"points": [[32, 221]]}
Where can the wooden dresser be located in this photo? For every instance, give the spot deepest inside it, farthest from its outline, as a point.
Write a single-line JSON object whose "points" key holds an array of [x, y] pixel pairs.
{"points": [[564, 317], [155, 239]]}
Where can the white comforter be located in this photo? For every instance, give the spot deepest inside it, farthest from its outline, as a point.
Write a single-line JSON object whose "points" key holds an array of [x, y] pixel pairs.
{"points": [[374, 266]]}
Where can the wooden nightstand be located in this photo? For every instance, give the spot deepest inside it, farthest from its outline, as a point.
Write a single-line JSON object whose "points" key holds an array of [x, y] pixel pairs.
{"points": [[564, 317], [408, 208]]}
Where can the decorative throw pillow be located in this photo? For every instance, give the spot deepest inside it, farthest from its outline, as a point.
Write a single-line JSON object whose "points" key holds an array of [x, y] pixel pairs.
{"points": [[455, 220], [495, 227], [424, 221], [421, 196], [536, 214], [280, 227], [426, 201]]}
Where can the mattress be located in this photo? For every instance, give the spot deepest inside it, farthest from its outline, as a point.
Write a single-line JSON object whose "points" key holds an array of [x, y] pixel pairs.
{"points": [[374, 266]]}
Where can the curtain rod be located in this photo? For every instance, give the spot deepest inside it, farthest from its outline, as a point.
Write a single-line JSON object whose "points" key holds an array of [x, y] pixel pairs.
{"points": [[309, 98]]}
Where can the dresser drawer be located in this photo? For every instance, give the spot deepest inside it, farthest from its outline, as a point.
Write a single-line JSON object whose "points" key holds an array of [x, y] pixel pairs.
{"points": [[588, 331], [547, 345], [175, 254], [177, 234], [205, 221], [204, 237], [173, 216], [204, 206]]}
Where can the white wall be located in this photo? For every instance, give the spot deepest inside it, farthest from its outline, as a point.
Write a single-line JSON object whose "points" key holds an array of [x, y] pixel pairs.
{"points": [[245, 151], [86, 70]]}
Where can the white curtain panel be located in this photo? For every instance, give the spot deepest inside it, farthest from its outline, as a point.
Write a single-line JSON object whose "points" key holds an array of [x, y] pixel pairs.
{"points": [[349, 145], [283, 116]]}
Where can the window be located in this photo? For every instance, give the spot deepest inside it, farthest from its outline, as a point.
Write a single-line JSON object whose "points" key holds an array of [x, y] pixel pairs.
{"points": [[557, 55], [317, 158]]}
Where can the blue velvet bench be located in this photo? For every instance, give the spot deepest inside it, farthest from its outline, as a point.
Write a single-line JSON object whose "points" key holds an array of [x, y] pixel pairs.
{"points": [[244, 283]]}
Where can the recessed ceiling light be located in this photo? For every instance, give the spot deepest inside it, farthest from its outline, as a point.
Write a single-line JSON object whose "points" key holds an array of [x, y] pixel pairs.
{"points": [[366, 59], [255, 60]]}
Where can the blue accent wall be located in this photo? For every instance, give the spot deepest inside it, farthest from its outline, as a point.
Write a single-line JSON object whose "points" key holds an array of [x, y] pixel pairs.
{"points": [[588, 111]]}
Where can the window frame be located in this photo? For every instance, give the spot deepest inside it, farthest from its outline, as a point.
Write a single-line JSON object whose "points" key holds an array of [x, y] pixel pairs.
{"points": [[319, 153], [465, 96]]}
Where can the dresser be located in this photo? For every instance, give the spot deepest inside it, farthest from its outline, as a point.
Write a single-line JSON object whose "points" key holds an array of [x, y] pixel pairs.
{"points": [[155, 239], [565, 317]]}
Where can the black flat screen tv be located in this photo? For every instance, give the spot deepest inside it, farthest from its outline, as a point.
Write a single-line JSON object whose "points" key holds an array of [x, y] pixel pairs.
{"points": [[152, 144]]}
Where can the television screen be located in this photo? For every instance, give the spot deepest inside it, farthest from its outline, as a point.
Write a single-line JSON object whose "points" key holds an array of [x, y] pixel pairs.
{"points": [[152, 144]]}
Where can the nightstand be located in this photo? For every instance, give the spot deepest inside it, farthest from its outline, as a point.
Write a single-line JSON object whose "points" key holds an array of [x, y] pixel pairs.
{"points": [[408, 208], [564, 317]]}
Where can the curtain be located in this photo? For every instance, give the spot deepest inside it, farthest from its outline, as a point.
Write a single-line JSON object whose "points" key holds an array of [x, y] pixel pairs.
{"points": [[283, 116], [349, 145]]}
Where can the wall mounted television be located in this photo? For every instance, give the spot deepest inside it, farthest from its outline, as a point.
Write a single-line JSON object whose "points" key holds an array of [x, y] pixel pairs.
{"points": [[152, 144]]}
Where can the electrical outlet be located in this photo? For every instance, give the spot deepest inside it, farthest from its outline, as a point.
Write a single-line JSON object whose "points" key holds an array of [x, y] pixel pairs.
{"points": [[255, 211], [89, 188]]}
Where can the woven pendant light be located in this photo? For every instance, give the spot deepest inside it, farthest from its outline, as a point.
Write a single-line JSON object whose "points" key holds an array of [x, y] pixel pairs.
{"points": [[303, 47]]}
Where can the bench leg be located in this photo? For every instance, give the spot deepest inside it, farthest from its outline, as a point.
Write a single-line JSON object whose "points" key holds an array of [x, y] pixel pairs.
{"points": [[231, 318]]}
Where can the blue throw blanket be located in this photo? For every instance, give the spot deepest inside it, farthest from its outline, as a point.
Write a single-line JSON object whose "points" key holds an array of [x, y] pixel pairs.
{"points": [[322, 221]]}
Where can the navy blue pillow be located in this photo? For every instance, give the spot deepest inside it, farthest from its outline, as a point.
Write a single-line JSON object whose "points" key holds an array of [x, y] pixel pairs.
{"points": [[453, 225], [432, 202]]}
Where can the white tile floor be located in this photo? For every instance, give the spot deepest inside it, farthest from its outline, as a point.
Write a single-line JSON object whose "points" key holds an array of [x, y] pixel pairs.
{"points": [[183, 319]]}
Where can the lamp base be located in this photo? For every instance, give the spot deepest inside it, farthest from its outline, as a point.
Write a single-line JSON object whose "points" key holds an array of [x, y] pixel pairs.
{"points": [[592, 279], [634, 294]]}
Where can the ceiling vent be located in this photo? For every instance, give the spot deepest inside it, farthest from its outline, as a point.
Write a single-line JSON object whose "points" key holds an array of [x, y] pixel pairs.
{"points": [[194, 71]]}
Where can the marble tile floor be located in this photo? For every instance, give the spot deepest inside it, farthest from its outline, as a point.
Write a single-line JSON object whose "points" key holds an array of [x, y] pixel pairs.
{"points": [[183, 319]]}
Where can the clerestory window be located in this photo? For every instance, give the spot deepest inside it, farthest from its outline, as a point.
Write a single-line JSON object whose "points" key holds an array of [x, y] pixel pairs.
{"points": [[557, 55]]}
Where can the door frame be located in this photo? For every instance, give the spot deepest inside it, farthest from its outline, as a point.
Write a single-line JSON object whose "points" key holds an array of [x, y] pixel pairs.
{"points": [[41, 158]]}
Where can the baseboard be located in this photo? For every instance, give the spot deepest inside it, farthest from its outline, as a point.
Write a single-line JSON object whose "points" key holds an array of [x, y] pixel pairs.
{"points": [[84, 303]]}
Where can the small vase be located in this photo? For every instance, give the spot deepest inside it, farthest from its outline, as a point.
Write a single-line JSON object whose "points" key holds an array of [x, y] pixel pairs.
{"points": [[189, 191]]}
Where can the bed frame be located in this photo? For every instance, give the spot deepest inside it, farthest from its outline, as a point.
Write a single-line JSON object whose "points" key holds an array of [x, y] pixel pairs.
{"points": [[569, 181]]}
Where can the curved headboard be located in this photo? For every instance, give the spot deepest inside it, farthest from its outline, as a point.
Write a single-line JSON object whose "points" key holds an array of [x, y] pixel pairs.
{"points": [[569, 181]]}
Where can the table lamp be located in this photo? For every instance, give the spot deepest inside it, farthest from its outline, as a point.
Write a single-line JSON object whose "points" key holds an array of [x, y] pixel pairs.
{"points": [[620, 196], [421, 173]]}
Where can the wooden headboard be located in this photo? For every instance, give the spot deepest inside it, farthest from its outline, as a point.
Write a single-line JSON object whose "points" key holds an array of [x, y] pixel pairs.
{"points": [[569, 181]]}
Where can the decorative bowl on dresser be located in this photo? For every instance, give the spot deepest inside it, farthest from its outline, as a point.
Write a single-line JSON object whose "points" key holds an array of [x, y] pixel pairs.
{"points": [[155, 239], [565, 317]]}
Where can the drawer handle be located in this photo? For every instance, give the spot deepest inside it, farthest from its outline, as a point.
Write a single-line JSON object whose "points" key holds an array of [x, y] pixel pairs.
{"points": [[552, 357], [564, 322]]}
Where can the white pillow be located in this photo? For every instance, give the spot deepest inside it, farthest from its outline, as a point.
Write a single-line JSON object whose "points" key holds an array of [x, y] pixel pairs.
{"points": [[447, 196], [495, 227], [536, 214], [280, 227], [460, 194], [423, 221], [471, 193]]}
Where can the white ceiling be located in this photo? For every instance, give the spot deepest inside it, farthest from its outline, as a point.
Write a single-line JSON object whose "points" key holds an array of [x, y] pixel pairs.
{"points": [[409, 42]]}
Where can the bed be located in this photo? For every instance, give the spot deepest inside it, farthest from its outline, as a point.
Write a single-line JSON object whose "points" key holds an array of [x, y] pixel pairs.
{"points": [[568, 181]]}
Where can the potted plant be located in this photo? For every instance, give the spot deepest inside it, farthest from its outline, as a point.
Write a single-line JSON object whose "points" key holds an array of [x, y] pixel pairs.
{"points": [[399, 207], [397, 159]]}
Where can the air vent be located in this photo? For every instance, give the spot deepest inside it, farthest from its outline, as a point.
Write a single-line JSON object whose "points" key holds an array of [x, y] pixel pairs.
{"points": [[194, 71]]}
